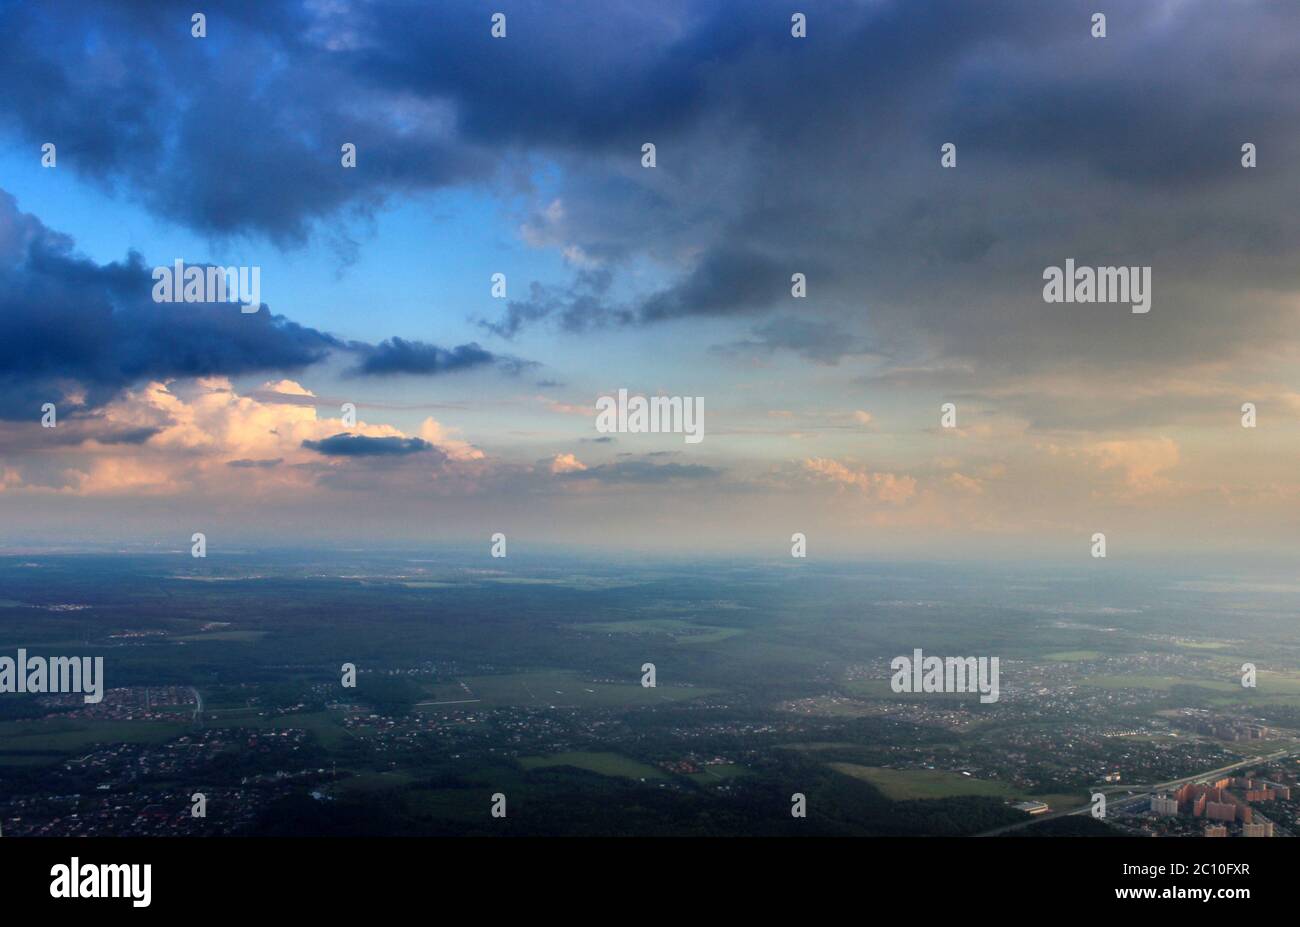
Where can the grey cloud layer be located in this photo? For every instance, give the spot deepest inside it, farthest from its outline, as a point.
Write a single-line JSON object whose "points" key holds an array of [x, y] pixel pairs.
{"points": [[775, 155]]}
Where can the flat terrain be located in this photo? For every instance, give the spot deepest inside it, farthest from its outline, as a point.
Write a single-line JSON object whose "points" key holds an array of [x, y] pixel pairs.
{"points": [[606, 764], [907, 784]]}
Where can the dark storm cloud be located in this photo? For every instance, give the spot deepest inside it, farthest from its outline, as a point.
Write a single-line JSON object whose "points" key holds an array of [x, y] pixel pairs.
{"points": [[581, 305], [67, 323], [825, 154], [775, 155], [234, 133], [730, 282], [70, 326], [399, 356], [349, 445], [820, 342], [724, 282]]}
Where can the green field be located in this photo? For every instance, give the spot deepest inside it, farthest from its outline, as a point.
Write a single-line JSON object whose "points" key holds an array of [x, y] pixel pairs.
{"points": [[682, 632], [906, 784], [246, 636], [1158, 683], [1269, 685], [364, 782], [326, 725], [606, 764], [65, 736], [561, 690], [718, 772], [1073, 656], [52, 740], [576, 581]]}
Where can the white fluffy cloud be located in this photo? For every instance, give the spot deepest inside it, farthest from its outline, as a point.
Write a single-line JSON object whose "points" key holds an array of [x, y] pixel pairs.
{"points": [[207, 437]]}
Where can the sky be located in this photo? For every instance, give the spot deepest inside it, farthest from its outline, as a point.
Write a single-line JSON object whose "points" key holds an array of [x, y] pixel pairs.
{"points": [[775, 155]]}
